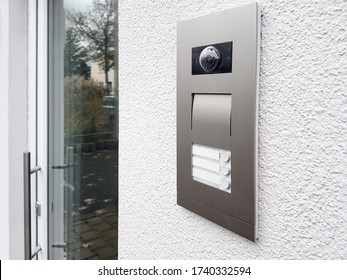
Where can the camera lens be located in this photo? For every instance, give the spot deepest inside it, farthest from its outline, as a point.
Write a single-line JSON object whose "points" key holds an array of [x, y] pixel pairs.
{"points": [[209, 58]]}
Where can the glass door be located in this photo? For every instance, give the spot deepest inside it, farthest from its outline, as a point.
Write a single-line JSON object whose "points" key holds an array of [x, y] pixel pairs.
{"points": [[82, 129]]}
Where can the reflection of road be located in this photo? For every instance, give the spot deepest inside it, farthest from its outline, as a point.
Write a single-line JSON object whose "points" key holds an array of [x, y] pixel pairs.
{"points": [[99, 179], [96, 224]]}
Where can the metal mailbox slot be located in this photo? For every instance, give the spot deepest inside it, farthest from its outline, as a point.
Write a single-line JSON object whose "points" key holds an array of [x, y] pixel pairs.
{"points": [[217, 117]]}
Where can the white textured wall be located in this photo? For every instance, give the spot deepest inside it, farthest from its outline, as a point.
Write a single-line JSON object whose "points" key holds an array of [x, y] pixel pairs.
{"points": [[302, 135], [4, 186], [13, 125]]}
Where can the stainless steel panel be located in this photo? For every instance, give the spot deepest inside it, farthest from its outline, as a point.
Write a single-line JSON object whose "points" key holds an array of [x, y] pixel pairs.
{"points": [[204, 121]]}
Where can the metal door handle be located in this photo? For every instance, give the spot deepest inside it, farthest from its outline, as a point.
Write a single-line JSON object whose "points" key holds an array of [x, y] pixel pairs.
{"points": [[64, 166], [28, 253], [59, 245]]}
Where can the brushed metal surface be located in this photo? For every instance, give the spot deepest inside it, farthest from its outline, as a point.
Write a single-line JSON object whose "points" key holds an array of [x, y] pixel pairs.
{"points": [[211, 115], [208, 123]]}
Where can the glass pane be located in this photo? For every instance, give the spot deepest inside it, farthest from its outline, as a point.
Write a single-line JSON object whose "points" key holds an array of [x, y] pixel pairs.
{"points": [[83, 129]]}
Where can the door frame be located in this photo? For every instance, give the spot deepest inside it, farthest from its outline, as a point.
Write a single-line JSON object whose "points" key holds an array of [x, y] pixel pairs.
{"points": [[38, 119]]}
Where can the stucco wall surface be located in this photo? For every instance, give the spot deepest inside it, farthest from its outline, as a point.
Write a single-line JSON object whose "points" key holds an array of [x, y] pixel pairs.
{"points": [[4, 191], [302, 135], [13, 124]]}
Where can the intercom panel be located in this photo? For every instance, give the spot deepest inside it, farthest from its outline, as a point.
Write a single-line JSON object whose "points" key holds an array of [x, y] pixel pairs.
{"points": [[217, 117]]}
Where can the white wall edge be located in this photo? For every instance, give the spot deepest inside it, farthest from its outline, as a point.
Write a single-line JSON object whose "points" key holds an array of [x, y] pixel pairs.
{"points": [[4, 87], [17, 122]]}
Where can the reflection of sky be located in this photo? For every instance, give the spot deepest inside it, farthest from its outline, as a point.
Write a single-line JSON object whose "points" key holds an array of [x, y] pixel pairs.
{"points": [[77, 5]]}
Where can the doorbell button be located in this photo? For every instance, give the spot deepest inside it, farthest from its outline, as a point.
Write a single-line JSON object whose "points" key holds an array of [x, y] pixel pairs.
{"points": [[225, 185], [225, 170], [225, 156]]}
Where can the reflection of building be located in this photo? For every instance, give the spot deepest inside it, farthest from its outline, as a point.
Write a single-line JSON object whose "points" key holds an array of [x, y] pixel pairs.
{"points": [[97, 73]]}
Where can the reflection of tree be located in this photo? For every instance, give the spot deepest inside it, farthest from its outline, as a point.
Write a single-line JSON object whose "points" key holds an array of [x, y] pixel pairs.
{"points": [[97, 26], [84, 113], [75, 56]]}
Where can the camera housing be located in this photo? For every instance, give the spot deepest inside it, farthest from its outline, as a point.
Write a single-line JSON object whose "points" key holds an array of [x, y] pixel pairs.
{"points": [[209, 58], [212, 59]]}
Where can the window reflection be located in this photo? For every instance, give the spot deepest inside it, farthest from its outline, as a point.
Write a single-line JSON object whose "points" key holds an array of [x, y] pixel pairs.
{"points": [[90, 130]]}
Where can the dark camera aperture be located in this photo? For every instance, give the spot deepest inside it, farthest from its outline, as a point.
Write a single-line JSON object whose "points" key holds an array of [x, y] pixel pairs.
{"points": [[209, 58], [212, 59]]}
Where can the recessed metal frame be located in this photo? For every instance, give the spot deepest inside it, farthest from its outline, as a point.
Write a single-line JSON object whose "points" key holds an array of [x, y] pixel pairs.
{"points": [[236, 211]]}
